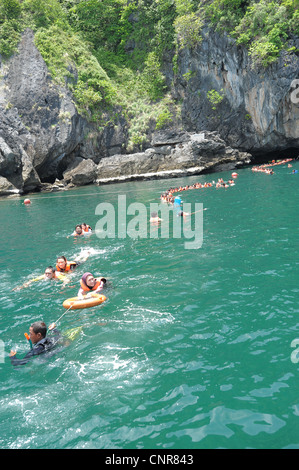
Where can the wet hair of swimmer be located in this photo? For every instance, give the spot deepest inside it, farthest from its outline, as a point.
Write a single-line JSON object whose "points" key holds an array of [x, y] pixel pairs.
{"points": [[39, 327], [61, 257], [52, 269]]}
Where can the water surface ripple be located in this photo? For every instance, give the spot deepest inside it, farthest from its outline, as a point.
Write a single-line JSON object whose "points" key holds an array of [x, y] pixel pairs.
{"points": [[192, 348]]}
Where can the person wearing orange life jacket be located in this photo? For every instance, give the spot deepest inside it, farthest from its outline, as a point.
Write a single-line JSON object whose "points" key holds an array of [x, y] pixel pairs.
{"points": [[64, 266], [86, 228], [89, 284], [78, 231]]}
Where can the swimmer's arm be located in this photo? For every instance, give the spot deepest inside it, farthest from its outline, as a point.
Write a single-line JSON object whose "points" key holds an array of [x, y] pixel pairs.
{"points": [[99, 288], [20, 362], [62, 277], [54, 332], [39, 278], [205, 209], [103, 282], [26, 284], [80, 294]]}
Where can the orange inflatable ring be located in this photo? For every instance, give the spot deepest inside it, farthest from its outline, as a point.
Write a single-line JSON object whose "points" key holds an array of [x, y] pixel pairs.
{"points": [[74, 302]]}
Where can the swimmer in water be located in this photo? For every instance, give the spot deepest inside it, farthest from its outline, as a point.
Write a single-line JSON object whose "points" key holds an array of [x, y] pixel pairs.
{"points": [[78, 231], [49, 273], [89, 284], [184, 214], [64, 266], [39, 341], [86, 228], [155, 219]]}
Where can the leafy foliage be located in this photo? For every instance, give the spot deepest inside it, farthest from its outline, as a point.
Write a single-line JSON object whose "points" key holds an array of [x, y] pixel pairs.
{"points": [[215, 98], [226, 14], [188, 28], [98, 21], [71, 62], [9, 38], [110, 52], [43, 13], [10, 9], [264, 26]]}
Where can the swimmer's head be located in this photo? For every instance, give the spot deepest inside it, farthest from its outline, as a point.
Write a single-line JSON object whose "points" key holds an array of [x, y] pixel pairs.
{"points": [[49, 272], [88, 279], [38, 331], [61, 261]]}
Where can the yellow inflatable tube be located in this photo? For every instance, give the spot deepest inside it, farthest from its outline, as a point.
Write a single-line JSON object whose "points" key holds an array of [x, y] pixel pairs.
{"points": [[74, 302]]}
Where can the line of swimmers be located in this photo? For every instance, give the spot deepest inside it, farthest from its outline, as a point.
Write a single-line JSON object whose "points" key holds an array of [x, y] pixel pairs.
{"points": [[168, 196], [262, 169], [277, 162], [40, 343], [267, 167], [62, 267], [88, 282]]}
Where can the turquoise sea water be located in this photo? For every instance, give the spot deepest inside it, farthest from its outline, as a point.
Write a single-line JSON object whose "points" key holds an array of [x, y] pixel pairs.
{"points": [[191, 350]]}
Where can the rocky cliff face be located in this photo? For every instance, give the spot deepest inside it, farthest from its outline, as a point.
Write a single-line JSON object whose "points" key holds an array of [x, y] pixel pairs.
{"points": [[42, 136], [173, 154], [258, 112], [39, 123], [41, 132]]}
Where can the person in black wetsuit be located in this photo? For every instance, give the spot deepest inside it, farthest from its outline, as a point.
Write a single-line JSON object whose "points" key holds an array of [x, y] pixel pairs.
{"points": [[39, 341]]}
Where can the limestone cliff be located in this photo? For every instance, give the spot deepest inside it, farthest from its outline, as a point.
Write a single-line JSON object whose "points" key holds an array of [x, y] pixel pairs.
{"points": [[39, 123], [42, 136], [41, 132], [259, 111]]}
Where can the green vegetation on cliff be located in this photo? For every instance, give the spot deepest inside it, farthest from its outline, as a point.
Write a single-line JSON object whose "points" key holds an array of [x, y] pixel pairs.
{"points": [[263, 26], [110, 52]]}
